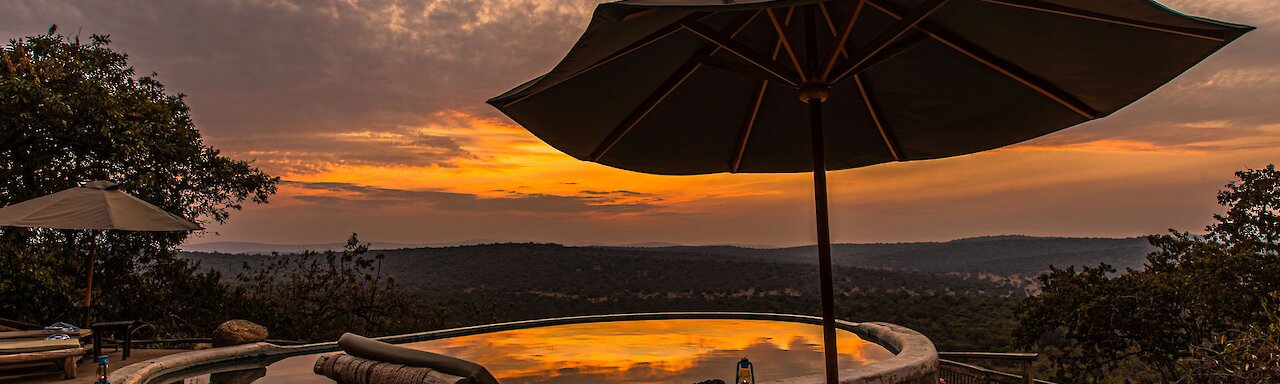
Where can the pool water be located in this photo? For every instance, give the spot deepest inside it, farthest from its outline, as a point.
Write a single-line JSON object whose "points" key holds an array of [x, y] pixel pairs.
{"points": [[635, 351]]}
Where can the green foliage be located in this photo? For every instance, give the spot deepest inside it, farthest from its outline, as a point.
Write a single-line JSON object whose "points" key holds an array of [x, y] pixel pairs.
{"points": [[73, 111], [1250, 356], [1252, 220], [1194, 290], [314, 296]]}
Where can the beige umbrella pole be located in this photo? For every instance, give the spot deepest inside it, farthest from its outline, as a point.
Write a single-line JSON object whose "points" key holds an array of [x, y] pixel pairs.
{"points": [[88, 287]]}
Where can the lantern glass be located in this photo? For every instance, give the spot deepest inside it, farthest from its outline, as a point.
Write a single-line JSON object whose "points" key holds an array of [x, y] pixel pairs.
{"points": [[102, 370]]}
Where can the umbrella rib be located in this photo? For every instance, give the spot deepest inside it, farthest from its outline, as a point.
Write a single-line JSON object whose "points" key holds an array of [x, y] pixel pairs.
{"points": [[831, 24], [897, 48], [643, 42], [843, 36], [739, 67], [1010, 70], [875, 118], [786, 44], [643, 110], [1041, 6], [777, 45], [745, 136], [658, 96], [741, 50], [746, 129], [887, 37]]}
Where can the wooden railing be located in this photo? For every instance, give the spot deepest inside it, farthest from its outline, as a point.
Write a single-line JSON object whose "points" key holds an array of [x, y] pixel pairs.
{"points": [[955, 372]]}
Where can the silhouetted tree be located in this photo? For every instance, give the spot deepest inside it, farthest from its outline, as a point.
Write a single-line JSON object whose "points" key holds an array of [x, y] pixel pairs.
{"points": [[318, 296], [1194, 293], [73, 111]]}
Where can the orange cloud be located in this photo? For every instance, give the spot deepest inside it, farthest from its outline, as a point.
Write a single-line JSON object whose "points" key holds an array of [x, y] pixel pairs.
{"points": [[492, 160]]}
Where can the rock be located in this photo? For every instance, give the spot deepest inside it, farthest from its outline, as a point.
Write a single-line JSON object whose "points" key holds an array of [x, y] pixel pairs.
{"points": [[201, 346], [236, 332]]}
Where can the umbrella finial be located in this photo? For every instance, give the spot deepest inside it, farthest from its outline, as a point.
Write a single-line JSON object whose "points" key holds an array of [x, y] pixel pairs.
{"points": [[814, 90], [105, 185]]}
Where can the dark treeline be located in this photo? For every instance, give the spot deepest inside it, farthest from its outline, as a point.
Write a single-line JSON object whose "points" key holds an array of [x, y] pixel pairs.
{"points": [[506, 282]]}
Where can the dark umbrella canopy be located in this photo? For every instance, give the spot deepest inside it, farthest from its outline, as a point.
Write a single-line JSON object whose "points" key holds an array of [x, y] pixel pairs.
{"points": [[670, 87], [706, 86]]}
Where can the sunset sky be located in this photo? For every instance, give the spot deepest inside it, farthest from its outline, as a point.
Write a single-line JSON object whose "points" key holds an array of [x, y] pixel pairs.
{"points": [[373, 115]]}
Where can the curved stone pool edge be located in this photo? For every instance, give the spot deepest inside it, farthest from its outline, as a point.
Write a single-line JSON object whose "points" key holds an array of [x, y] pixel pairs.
{"points": [[915, 358]]}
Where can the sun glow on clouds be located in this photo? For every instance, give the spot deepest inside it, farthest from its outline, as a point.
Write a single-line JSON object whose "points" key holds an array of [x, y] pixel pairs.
{"points": [[491, 159]]}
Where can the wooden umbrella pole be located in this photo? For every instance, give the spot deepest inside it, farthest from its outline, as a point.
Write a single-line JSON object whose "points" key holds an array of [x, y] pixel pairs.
{"points": [[824, 244], [814, 93], [88, 287]]}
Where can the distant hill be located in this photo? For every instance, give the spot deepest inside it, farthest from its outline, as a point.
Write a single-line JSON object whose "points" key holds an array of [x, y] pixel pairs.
{"points": [[1003, 255], [619, 274], [249, 248]]}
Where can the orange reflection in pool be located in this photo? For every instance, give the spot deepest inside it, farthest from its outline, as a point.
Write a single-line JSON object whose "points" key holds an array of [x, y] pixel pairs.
{"points": [[653, 351]]}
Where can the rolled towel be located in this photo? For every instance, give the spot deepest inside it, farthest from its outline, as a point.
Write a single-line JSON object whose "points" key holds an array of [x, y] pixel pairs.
{"points": [[361, 346], [347, 369]]}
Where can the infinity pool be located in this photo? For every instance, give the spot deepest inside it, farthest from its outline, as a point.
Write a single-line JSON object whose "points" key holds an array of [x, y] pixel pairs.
{"points": [[633, 351]]}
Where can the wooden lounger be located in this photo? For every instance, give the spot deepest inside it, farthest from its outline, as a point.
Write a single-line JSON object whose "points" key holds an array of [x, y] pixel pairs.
{"points": [[63, 353], [40, 334]]}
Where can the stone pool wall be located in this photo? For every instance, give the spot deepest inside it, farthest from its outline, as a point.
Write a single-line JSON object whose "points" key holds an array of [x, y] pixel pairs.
{"points": [[915, 362]]}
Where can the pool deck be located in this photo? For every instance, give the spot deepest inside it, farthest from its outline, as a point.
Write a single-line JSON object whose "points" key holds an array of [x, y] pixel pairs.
{"points": [[86, 370]]}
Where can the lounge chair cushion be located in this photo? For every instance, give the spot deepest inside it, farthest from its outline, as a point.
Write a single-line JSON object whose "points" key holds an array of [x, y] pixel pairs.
{"points": [[10, 347], [361, 346]]}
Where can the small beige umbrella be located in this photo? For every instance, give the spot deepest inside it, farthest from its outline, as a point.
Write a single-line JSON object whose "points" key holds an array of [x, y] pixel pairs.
{"points": [[98, 205]]}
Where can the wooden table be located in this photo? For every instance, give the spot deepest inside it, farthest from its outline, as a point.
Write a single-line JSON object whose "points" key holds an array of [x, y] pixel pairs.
{"points": [[127, 326]]}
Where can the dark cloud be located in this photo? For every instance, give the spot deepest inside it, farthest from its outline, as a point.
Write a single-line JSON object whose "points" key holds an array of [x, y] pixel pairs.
{"points": [[280, 75], [346, 195], [618, 192], [300, 86], [293, 153], [283, 74]]}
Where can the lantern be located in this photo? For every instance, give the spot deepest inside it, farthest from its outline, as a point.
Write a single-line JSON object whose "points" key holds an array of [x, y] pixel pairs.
{"points": [[746, 372], [102, 370]]}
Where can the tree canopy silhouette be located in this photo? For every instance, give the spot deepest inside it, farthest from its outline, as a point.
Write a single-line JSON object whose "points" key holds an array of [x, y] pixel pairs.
{"points": [[74, 111], [1166, 319]]}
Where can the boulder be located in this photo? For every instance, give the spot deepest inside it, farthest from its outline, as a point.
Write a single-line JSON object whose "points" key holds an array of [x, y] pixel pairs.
{"points": [[236, 332]]}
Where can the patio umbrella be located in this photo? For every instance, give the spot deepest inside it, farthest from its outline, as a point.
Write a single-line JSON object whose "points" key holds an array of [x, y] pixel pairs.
{"points": [[97, 205], [682, 87]]}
